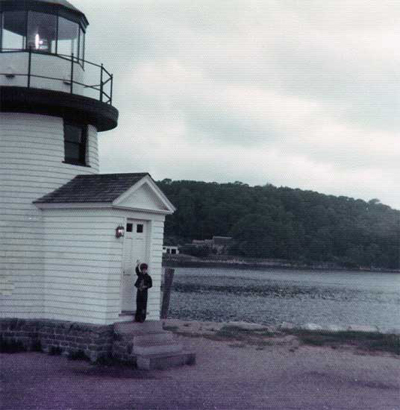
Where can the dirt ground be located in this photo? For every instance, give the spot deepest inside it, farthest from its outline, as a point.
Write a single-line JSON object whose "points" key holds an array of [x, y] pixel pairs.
{"points": [[227, 375]]}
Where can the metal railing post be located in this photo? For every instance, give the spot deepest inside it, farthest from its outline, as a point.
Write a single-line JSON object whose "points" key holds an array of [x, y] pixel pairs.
{"points": [[29, 66], [111, 91], [101, 83], [72, 73]]}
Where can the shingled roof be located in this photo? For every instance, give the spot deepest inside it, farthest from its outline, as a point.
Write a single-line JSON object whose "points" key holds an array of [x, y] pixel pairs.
{"points": [[92, 189]]}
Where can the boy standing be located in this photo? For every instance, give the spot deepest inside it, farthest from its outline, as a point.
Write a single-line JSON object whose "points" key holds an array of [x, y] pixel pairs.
{"points": [[143, 283]]}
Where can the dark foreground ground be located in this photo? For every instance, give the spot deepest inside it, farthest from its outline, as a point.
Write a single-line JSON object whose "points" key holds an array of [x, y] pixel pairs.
{"points": [[228, 375]]}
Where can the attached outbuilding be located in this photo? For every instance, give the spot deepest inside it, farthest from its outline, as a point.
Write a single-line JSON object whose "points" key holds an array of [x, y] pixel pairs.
{"points": [[96, 229]]}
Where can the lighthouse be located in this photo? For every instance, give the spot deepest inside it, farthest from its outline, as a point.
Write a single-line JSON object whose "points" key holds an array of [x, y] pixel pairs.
{"points": [[70, 238]]}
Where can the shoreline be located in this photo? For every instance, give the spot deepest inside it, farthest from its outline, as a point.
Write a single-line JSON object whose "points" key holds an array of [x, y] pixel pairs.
{"points": [[367, 339], [194, 262], [199, 327]]}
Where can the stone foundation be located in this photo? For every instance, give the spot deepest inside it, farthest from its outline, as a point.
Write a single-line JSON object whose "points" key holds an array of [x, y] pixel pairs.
{"points": [[72, 339]]}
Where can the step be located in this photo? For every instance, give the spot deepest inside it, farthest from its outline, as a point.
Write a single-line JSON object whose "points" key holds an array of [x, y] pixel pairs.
{"points": [[160, 362], [150, 338], [157, 348]]}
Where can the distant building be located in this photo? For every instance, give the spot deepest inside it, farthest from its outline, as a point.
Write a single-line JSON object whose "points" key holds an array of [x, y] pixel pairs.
{"points": [[218, 244], [171, 250]]}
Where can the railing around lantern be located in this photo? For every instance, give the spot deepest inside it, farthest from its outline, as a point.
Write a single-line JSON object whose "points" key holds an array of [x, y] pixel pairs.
{"points": [[103, 90]]}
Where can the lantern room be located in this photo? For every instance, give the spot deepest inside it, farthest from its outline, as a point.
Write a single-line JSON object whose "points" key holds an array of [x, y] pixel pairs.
{"points": [[43, 54], [55, 28]]}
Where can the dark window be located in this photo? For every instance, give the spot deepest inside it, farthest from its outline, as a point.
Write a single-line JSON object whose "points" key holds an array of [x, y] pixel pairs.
{"points": [[75, 141], [13, 30], [173, 251], [139, 228], [129, 227]]}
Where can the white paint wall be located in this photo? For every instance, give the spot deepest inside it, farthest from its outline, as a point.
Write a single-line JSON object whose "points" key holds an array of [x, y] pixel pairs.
{"points": [[44, 65], [83, 264], [60, 264], [31, 165]]}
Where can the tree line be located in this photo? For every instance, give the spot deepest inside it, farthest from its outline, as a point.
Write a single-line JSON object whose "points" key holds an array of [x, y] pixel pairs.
{"points": [[285, 223]]}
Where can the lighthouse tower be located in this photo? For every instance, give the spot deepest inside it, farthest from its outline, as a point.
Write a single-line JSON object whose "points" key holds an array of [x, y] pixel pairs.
{"points": [[70, 237]]}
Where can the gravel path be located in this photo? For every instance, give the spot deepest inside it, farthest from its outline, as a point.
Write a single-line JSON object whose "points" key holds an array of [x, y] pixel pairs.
{"points": [[226, 376]]}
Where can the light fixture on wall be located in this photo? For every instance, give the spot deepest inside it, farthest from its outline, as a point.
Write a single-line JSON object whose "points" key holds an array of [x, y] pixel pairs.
{"points": [[119, 231]]}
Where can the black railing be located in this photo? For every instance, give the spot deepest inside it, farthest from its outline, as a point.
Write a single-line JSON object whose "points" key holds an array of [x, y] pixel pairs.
{"points": [[103, 90]]}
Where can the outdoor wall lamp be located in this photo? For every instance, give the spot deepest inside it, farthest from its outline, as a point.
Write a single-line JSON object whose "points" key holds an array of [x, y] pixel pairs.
{"points": [[119, 231]]}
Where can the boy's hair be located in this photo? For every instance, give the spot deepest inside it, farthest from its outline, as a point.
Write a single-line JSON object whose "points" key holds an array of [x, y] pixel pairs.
{"points": [[143, 266]]}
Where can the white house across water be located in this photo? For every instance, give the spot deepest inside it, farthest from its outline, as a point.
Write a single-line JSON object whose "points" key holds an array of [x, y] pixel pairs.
{"points": [[70, 237]]}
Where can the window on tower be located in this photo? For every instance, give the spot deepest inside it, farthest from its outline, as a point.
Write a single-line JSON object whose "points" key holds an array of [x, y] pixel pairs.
{"points": [[75, 143], [13, 30], [68, 37]]}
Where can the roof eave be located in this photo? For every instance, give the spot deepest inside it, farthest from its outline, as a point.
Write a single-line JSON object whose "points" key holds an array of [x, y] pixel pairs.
{"points": [[98, 205]]}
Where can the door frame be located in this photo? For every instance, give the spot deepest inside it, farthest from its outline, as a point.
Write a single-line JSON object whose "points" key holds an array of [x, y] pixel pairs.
{"points": [[148, 226]]}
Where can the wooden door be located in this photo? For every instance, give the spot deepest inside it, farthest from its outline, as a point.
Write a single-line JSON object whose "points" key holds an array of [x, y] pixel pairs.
{"points": [[135, 250]]}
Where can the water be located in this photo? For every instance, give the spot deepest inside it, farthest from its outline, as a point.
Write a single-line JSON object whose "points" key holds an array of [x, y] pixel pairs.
{"points": [[274, 296]]}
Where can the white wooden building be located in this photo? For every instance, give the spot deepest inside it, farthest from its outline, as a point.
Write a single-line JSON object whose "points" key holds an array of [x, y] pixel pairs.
{"points": [[69, 237]]}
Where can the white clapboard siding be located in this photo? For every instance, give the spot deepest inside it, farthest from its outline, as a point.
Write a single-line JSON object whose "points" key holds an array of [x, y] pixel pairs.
{"points": [[81, 254], [31, 165]]}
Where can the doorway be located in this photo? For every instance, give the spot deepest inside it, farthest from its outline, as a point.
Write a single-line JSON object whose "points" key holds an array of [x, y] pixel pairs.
{"points": [[135, 251]]}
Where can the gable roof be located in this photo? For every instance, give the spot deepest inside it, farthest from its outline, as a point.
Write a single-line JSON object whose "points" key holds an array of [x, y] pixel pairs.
{"points": [[92, 189], [136, 191]]}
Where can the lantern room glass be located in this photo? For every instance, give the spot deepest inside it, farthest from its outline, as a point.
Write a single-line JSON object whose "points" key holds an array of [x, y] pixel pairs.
{"points": [[41, 32], [13, 30], [68, 37]]}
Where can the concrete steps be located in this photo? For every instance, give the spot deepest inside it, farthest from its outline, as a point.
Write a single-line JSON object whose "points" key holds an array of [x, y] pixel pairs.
{"points": [[149, 338], [157, 348], [164, 361], [153, 347]]}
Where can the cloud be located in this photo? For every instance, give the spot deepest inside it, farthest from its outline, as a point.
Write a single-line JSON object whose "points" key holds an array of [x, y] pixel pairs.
{"points": [[298, 94]]}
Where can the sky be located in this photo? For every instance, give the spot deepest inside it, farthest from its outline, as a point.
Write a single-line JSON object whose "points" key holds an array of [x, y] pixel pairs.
{"points": [[296, 93]]}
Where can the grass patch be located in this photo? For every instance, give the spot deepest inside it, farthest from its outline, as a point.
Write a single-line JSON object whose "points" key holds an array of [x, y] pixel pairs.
{"points": [[368, 341], [237, 332], [255, 337]]}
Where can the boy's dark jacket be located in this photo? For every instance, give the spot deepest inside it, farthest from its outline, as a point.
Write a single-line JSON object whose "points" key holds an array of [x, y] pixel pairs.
{"points": [[145, 277]]}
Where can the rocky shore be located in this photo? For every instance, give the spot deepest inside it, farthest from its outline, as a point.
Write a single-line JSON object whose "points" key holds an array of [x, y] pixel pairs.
{"points": [[367, 339], [233, 262]]}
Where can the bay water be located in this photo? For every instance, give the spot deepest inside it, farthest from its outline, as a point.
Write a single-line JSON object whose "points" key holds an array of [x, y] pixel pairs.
{"points": [[274, 296]]}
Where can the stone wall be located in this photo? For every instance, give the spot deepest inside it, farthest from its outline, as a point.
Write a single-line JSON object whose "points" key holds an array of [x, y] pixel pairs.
{"points": [[59, 337], [122, 348]]}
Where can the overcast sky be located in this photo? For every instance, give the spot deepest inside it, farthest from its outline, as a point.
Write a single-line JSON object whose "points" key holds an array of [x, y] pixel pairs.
{"points": [[297, 93]]}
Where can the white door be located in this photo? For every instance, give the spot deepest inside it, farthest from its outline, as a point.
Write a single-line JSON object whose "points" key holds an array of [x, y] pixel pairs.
{"points": [[135, 249]]}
